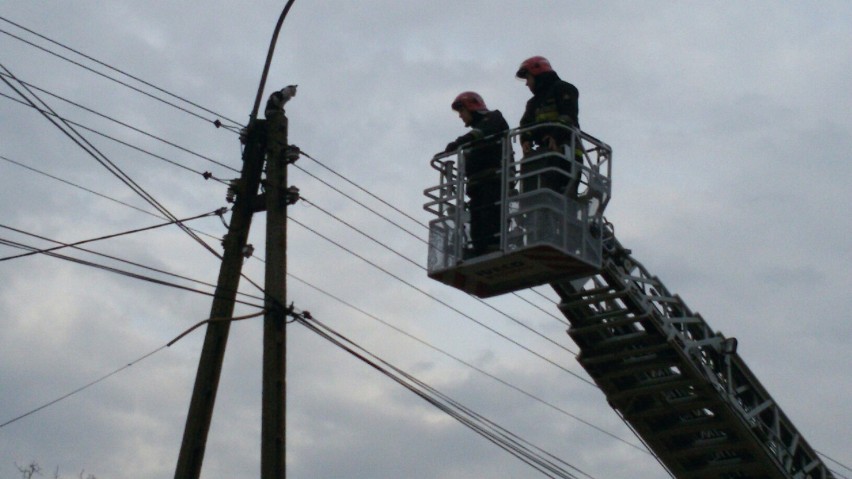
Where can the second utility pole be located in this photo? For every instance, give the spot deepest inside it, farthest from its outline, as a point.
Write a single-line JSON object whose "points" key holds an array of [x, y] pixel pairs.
{"points": [[274, 408]]}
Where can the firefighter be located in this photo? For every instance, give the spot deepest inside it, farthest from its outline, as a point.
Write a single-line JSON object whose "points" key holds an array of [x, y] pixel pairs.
{"points": [[554, 101], [482, 167]]}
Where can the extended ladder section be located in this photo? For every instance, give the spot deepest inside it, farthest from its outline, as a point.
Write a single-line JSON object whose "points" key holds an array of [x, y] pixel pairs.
{"points": [[681, 386]]}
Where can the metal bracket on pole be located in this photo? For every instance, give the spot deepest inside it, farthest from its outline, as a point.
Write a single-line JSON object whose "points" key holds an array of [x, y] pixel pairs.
{"points": [[293, 195]]}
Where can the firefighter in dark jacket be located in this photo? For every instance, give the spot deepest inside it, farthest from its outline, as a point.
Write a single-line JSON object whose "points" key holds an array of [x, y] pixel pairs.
{"points": [[482, 167], [553, 101]]}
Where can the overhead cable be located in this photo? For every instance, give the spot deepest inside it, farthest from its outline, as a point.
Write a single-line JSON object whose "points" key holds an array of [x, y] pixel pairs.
{"points": [[35, 170], [15, 244], [114, 258], [122, 203], [463, 362], [53, 114], [400, 227], [413, 235], [100, 238], [214, 122], [244, 276], [442, 302], [122, 368], [126, 125], [544, 462], [386, 203], [844, 466], [82, 388], [480, 300], [96, 154]]}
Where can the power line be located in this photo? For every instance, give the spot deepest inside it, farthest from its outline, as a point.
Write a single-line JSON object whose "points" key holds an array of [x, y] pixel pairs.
{"points": [[82, 388], [361, 232], [444, 303], [114, 258], [216, 122], [542, 461], [359, 203], [481, 301], [252, 282], [122, 203], [400, 227], [205, 175], [122, 368], [78, 186], [96, 154], [463, 362], [386, 203], [844, 466], [126, 125], [110, 236], [111, 269]]}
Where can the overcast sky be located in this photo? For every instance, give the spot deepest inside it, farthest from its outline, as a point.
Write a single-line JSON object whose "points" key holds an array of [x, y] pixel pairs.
{"points": [[730, 127]]}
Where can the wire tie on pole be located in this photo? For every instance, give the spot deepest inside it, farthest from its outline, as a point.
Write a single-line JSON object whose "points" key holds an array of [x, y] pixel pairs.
{"points": [[296, 316]]}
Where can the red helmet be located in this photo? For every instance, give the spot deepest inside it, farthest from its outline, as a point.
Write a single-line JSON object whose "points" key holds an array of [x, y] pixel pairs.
{"points": [[469, 100], [534, 66]]}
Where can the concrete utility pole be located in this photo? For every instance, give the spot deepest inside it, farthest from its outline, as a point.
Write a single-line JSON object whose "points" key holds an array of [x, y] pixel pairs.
{"points": [[274, 408]]}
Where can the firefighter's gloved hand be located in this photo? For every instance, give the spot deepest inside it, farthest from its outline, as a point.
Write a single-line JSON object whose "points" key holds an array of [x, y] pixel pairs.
{"points": [[452, 146]]}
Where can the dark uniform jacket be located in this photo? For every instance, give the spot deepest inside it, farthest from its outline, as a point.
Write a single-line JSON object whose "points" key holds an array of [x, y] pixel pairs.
{"points": [[554, 100], [485, 149]]}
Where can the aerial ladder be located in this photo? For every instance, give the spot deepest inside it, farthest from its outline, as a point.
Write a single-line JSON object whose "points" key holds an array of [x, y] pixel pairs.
{"points": [[680, 385]]}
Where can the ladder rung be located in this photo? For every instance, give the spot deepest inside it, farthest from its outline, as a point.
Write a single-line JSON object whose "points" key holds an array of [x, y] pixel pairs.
{"points": [[634, 340], [730, 445], [742, 468], [595, 298], [669, 432], [644, 364], [651, 387], [679, 406], [597, 323], [593, 356]]}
